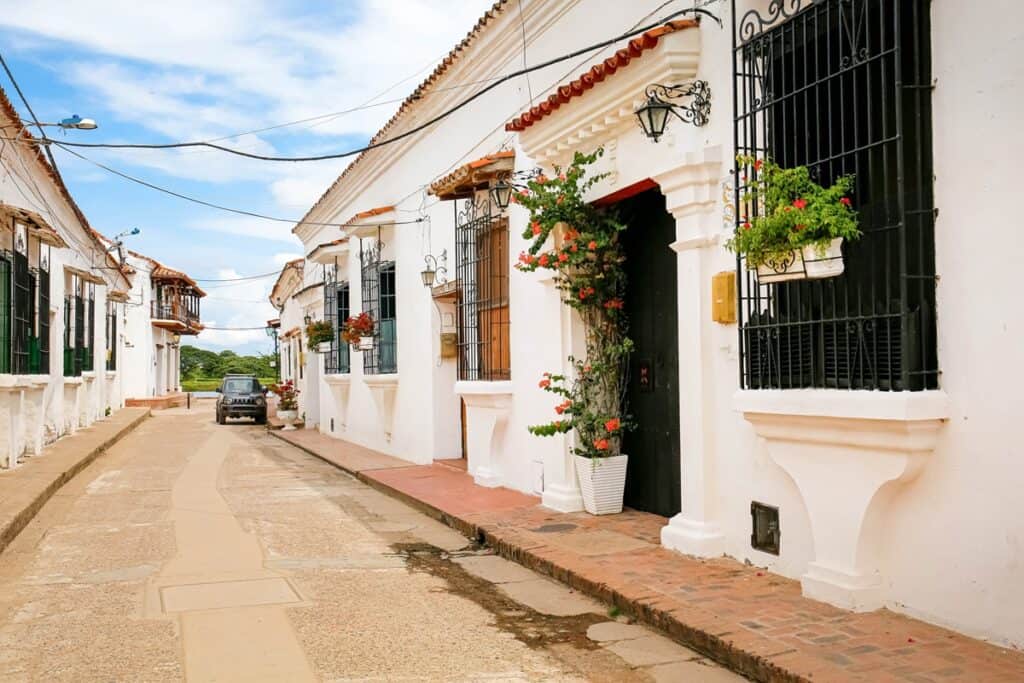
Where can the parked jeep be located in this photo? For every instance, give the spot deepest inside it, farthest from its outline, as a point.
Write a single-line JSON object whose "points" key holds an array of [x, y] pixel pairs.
{"points": [[241, 396]]}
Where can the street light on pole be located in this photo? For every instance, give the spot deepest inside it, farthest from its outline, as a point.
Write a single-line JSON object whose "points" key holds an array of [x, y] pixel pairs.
{"points": [[74, 122]]}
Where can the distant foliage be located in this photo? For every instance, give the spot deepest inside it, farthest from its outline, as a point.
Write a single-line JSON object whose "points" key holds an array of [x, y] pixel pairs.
{"points": [[199, 364]]}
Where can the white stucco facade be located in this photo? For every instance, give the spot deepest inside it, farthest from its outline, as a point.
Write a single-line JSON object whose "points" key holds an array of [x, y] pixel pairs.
{"points": [[885, 498]]}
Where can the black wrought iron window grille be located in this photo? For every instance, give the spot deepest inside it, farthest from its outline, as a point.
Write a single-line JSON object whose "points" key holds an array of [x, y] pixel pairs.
{"points": [[336, 311], [842, 87], [380, 301], [482, 270], [111, 335]]}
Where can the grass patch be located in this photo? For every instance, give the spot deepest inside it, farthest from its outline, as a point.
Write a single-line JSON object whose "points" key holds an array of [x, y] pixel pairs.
{"points": [[211, 383]]}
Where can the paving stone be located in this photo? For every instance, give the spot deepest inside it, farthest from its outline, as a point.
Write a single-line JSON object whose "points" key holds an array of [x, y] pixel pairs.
{"points": [[651, 649], [695, 671], [495, 569], [614, 630], [548, 597]]}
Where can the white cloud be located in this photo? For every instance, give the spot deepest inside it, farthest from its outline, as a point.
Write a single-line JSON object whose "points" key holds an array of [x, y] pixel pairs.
{"points": [[233, 305], [254, 228]]}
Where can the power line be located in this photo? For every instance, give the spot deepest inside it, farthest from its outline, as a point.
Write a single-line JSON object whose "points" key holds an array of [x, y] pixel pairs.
{"points": [[408, 133], [205, 203], [236, 279], [42, 133]]}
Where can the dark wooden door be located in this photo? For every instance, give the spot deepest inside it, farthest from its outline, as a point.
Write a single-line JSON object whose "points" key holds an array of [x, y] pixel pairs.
{"points": [[652, 479]]}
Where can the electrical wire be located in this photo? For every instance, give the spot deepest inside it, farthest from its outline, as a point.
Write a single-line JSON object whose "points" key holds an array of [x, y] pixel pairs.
{"points": [[236, 279], [405, 134], [42, 133], [203, 202]]}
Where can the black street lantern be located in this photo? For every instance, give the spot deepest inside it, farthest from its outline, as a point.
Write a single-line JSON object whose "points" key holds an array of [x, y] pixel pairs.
{"points": [[435, 269], [653, 114], [501, 193]]}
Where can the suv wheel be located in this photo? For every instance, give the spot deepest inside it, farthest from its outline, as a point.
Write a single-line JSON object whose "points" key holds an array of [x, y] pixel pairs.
{"points": [[220, 418]]}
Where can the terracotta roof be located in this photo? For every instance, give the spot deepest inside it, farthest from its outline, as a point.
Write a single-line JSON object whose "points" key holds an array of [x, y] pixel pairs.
{"points": [[7, 107], [325, 245], [362, 215], [416, 95], [297, 265], [469, 177], [162, 272], [597, 73], [276, 322]]}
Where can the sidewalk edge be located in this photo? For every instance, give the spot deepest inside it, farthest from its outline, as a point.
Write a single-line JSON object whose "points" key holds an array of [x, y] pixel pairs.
{"points": [[735, 659], [16, 524]]}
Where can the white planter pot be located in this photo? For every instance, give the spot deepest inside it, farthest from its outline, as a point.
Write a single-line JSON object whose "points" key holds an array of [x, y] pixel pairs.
{"points": [[323, 347], [365, 343], [288, 417], [781, 269], [602, 482], [823, 264]]}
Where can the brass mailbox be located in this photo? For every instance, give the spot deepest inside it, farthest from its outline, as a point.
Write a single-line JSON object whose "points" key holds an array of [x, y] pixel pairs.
{"points": [[723, 297], [449, 346]]}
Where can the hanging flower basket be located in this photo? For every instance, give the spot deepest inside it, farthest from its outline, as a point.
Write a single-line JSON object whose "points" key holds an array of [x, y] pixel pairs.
{"points": [[323, 347], [800, 226], [358, 331], [319, 334]]}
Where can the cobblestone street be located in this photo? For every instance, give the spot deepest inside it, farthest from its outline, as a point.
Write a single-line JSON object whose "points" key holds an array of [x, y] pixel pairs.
{"points": [[218, 553]]}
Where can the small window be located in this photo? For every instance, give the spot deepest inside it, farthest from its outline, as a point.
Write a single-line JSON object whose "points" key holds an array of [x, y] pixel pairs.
{"points": [[381, 302], [766, 534]]}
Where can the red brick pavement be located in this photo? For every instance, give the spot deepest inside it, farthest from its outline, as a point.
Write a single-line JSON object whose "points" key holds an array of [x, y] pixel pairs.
{"points": [[752, 621]]}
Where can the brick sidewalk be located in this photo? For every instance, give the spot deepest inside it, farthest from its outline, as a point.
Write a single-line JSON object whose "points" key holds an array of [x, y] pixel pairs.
{"points": [[752, 621]]}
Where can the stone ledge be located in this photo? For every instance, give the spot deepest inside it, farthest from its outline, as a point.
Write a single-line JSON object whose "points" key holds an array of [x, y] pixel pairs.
{"points": [[42, 476]]}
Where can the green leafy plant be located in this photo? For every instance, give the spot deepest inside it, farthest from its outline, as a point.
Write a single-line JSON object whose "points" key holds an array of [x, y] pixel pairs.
{"points": [[318, 332], [793, 212], [586, 260], [357, 326]]}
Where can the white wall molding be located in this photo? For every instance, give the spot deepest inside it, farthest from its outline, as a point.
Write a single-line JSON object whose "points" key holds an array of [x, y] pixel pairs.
{"points": [[849, 454], [488, 405], [340, 386], [383, 389]]}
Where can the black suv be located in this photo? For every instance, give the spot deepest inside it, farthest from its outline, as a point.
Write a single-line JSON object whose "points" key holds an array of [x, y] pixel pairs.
{"points": [[241, 396]]}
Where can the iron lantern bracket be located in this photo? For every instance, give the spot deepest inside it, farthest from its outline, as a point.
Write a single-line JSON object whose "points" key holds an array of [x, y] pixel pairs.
{"points": [[696, 111]]}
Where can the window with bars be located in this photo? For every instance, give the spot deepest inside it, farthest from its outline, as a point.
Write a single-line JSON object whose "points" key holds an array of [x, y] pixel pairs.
{"points": [[482, 269], [111, 335], [380, 301], [843, 87], [79, 326], [336, 312]]}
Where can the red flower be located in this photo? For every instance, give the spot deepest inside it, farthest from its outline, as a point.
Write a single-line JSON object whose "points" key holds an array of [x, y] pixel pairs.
{"points": [[746, 226], [524, 193], [536, 227], [586, 368], [562, 258], [592, 246], [543, 260], [845, 201], [798, 227], [542, 179], [561, 176], [571, 234], [758, 164], [526, 258], [544, 383], [615, 303], [800, 203], [562, 407], [573, 248], [613, 424], [601, 444]]}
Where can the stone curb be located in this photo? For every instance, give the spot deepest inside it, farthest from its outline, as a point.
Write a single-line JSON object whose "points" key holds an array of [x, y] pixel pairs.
{"points": [[13, 524], [714, 646]]}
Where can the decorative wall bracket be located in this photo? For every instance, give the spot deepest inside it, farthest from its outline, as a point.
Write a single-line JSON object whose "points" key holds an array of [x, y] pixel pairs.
{"points": [[653, 114]]}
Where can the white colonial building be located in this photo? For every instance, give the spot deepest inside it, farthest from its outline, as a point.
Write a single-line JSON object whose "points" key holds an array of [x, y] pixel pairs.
{"points": [[69, 355], [854, 432]]}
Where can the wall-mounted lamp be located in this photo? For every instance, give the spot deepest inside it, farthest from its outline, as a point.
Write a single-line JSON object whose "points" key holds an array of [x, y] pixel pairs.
{"points": [[436, 269], [653, 114], [307, 319], [507, 183], [501, 193]]}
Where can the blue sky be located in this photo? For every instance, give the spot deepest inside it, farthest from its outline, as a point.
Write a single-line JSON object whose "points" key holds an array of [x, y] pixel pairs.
{"points": [[196, 70]]}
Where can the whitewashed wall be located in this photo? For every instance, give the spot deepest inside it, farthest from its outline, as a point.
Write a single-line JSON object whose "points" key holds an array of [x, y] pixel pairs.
{"points": [[951, 543]]}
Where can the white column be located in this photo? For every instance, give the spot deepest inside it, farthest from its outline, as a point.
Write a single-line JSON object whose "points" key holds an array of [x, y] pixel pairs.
{"points": [[691, 192]]}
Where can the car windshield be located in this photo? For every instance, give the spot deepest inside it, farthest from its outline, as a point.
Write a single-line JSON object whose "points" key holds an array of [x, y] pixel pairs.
{"points": [[241, 385]]}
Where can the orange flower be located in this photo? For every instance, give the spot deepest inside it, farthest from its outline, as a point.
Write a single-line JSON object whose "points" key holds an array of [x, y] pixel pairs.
{"points": [[536, 227], [544, 383], [573, 248], [544, 260], [562, 407], [561, 198], [613, 424], [561, 176], [592, 246], [557, 424], [542, 179], [615, 303], [601, 444], [562, 258]]}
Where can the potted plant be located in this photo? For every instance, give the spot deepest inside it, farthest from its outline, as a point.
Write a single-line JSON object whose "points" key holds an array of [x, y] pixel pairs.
{"points": [[319, 335], [288, 404], [358, 331], [800, 226], [587, 269]]}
